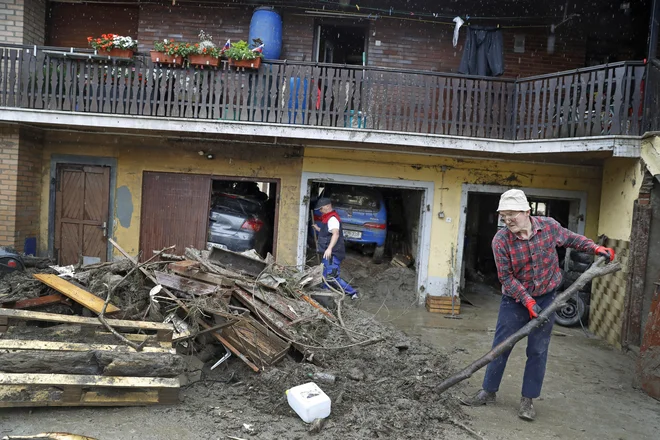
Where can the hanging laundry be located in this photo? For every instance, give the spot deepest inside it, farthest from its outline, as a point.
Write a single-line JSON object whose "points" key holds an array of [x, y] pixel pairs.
{"points": [[483, 53], [459, 22]]}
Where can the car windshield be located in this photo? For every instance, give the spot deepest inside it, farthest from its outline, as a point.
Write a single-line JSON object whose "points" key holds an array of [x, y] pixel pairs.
{"points": [[354, 197], [235, 203]]}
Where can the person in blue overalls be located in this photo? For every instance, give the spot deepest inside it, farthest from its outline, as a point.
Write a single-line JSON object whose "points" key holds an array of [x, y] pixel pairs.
{"points": [[331, 246]]}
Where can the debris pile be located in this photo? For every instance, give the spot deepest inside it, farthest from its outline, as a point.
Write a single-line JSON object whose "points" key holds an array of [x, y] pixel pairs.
{"points": [[275, 319]]}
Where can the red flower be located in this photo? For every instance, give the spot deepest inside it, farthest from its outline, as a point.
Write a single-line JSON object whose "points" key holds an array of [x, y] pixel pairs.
{"points": [[89, 39]]}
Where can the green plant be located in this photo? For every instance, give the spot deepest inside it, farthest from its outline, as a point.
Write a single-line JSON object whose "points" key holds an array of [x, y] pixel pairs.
{"points": [[174, 48], [112, 41], [206, 46], [241, 51]]}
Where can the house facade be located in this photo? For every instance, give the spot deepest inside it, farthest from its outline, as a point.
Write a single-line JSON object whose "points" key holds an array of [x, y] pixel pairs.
{"points": [[365, 95]]}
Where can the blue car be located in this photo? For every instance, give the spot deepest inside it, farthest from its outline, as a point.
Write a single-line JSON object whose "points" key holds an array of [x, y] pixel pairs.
{"points": [[363, 215]]}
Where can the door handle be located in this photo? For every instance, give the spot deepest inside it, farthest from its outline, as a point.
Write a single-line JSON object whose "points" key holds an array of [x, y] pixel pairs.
{"points": [[104, 228]]}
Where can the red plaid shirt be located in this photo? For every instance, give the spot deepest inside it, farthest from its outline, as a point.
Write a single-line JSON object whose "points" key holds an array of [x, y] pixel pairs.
{"points": [[531, 267]]}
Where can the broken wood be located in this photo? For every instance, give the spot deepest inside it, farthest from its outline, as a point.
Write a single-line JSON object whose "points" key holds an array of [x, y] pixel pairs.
{"points": [[186, 285], [596, 270], [29, 303], [163, 331], [92, 362], [186, 309], [79, 295], [23, 389], [215, 269], [194, 273], [237, 262]]}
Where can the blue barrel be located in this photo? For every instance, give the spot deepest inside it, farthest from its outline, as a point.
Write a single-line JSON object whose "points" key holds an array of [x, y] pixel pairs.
{"points": [[266, 25]]}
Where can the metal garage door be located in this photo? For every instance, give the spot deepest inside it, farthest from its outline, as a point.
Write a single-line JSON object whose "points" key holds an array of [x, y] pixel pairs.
{"points": [[175, 211]]}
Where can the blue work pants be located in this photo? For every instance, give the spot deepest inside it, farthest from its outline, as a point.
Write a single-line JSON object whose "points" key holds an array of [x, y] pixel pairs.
{"points": [[512, 317], [332, 273]]}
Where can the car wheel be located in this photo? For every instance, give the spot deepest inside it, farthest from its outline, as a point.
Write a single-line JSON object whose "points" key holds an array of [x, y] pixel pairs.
{"points": [[572, 312], [379, 252], [582, 257]]}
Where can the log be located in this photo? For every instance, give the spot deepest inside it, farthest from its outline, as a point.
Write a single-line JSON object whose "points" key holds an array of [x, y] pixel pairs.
{"points": [[596, 270], [94, 362]]}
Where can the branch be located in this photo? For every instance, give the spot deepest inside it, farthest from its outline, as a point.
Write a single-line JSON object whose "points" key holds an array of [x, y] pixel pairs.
{"points": [[101, 317], [596, 270]]}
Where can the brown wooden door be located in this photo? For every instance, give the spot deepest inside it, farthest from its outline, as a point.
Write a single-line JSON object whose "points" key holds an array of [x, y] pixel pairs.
{"points": [[81, 214], [175, 211]]}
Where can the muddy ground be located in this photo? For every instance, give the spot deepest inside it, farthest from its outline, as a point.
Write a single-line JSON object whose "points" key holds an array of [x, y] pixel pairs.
{"points": [[382, 390]]}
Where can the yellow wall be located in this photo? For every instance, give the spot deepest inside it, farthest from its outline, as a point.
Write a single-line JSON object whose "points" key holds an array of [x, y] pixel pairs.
{"points": [[651, 154], [135, 155], [622, 179], [444, 236]]}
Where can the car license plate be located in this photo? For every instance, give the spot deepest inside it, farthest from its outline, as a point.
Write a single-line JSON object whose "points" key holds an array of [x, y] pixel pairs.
{"points": [[352, 234]]}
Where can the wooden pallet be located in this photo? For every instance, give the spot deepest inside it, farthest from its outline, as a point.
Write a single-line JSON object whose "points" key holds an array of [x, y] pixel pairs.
{"points": [[446, 305], [38, 389], [257, 342]]}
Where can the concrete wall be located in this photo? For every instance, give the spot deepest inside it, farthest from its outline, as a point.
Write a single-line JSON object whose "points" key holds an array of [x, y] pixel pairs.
{"points": [[23, 21], [622, 180], [135, 155], [444, 232]]}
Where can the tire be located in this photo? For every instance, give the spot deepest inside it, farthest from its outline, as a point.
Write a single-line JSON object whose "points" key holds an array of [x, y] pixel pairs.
{"points": [[578, 267], [379, 252], [582, 257], [570, 314]]}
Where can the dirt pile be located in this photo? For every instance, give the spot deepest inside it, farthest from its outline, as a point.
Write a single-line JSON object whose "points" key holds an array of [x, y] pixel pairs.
{"points": [[381, 282], [383, 390]]}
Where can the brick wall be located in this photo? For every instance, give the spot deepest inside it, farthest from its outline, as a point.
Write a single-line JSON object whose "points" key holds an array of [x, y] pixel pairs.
{"points": [[426, 46], [20, 176], [22, 21]]}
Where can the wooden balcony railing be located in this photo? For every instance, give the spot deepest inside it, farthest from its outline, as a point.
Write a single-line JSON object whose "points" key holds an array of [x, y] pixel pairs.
{"points": [[602, 100]]}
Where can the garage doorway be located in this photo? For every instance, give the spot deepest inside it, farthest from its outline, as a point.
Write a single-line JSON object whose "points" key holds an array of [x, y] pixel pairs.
{"points": [[386, 224], [479, 223], [205, 211]]}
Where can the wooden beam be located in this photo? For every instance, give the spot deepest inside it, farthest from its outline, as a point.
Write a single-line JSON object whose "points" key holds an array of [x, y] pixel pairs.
{"points": [[17, 344], [87, 380], [195, 274], [163, 330], [36, 302], [74, 292]]}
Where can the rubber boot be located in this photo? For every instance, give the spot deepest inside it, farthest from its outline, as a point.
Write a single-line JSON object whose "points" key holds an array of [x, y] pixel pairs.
{"points": [[480, 399], [527, 411]]}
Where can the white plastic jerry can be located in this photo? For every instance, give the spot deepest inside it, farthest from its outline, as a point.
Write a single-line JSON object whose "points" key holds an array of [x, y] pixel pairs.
{"points": [[309, 402]]}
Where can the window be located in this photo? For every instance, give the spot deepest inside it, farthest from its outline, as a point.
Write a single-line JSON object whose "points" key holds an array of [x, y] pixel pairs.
{"points": [[341, 43]]}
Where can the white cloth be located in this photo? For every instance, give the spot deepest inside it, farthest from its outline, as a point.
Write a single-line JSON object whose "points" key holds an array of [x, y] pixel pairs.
{"points": [[459, 22], [513, 200], [333, 224]]}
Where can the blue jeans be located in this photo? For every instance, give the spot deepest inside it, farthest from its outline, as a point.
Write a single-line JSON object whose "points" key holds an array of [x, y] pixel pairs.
{"points": [[512, 317], [332, 274]]}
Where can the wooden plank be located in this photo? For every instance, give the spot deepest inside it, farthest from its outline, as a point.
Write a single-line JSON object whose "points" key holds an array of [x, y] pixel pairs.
{"points": [[25, 69], [637, 111], [87, 380], [74, 292], [36, 302], [583, 114], [272, 300], [206, 277], [17, 344], [599, 123], [594, 114], [618, 101], [567, 112], [454, 119], [72, 319], [184, 284], [81, 67]]}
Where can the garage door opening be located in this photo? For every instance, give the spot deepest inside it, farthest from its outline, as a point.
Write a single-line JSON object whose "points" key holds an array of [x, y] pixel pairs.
{"points": [[204, 211], [382, 231]]}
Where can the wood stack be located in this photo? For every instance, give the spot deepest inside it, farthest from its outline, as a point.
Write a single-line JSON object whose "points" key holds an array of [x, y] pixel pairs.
{"points": [[446, 305], [93, 371]]}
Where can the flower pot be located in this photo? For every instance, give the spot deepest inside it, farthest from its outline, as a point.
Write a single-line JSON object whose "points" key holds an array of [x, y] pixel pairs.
{"points": [[122, 53], [163, 58], [203, 60], [248, 64]]}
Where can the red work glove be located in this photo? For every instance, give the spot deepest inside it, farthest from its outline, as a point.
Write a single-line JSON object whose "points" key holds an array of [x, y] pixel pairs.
{"points": [[534, 309], [605, 252]]}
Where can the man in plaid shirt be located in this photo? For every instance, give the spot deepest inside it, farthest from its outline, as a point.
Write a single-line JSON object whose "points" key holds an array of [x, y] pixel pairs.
{"points": [[528, 268]]}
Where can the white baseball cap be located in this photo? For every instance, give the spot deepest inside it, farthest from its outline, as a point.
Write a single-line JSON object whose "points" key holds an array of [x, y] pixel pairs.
{"points": [[513, 200]]}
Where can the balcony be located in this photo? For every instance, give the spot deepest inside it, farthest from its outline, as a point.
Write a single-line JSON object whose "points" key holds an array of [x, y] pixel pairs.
{"points": [[595, 101]]}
